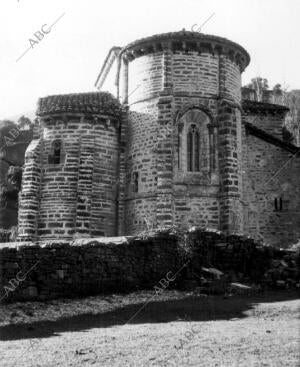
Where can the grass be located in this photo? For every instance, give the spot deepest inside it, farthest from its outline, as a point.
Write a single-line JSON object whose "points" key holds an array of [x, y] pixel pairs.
{"points": [[172, 329]]}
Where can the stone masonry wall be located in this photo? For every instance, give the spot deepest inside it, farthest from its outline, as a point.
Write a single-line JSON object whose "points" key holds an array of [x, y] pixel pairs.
{"points": [[161, 86], [85, 267], [90, 159], [57, 268], [105, 179], [229, 123], [230, 156], [270, 173], [58, 193], [142, 133], [194, 73], [232, 79], [145, 77], [196, 195], [76, 197], [30, 192], [271, 124]]}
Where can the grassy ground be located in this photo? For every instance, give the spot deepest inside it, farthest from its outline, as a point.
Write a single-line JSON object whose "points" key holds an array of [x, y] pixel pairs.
{"points": [[144, 329]]}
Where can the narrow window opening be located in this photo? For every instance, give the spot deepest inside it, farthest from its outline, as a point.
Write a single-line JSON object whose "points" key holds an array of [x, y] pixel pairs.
{"points": [[135, 182], [190, 150], [197, 151], [193, 149], [55, 155], [178, 156], [278, 204], [195, 139]]}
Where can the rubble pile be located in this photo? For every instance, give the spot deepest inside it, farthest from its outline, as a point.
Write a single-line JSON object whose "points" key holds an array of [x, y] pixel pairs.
{"points": [[284, 270], [239, 265]]}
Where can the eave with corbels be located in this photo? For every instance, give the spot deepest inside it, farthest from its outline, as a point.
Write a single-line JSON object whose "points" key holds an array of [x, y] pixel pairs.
{"points": [[187, 42]]}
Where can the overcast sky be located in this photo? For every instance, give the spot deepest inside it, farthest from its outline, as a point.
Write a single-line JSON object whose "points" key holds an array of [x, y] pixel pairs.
{"points": [[68, 59]]}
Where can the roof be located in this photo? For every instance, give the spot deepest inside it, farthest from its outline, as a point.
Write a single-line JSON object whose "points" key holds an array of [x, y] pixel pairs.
{"points": [[88, 103], [263, 107], [182, 40], [259, 133], [192, 41]]}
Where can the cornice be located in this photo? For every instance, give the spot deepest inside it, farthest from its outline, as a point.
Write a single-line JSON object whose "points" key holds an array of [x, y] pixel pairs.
{"points": [[187, 41]]}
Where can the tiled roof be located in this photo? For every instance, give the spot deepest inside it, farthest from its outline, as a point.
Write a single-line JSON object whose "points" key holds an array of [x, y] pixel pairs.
{"points": [[263, 106], [89, 103]]}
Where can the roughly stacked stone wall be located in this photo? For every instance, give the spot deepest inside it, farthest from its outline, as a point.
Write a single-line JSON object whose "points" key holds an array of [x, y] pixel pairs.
{"points": [[85, 267], [53, 269], [229, 253]]}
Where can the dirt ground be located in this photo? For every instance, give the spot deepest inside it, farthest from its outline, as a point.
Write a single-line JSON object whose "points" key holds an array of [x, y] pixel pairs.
{"points": [[146, 329]]}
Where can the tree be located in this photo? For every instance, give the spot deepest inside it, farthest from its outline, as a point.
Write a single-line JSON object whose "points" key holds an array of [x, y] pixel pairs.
{"points": [[5, 127], [24, 123], [14, 177], [292, 121], [277, 88], [259, 84], [14, 139]]}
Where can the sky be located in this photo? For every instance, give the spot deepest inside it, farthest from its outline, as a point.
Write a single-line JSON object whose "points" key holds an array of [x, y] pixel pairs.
{"points": [[69, 57]]}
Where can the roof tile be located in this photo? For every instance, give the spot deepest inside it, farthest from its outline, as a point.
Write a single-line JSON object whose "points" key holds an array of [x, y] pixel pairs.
{"points": [[90, 103]]}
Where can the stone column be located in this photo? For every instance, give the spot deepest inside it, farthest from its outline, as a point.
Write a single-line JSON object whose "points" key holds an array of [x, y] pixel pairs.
{"points": [[167, 83], [121, 181], [215, 148], [29, 197], [125, 81], [164, 164], [230, 156], [84, 187], [211, 148], [165, 144]]}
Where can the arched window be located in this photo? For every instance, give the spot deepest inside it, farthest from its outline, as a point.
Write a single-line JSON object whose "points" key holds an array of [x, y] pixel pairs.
{"points": [[193, 149], [55, 156], [195, 145]]}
